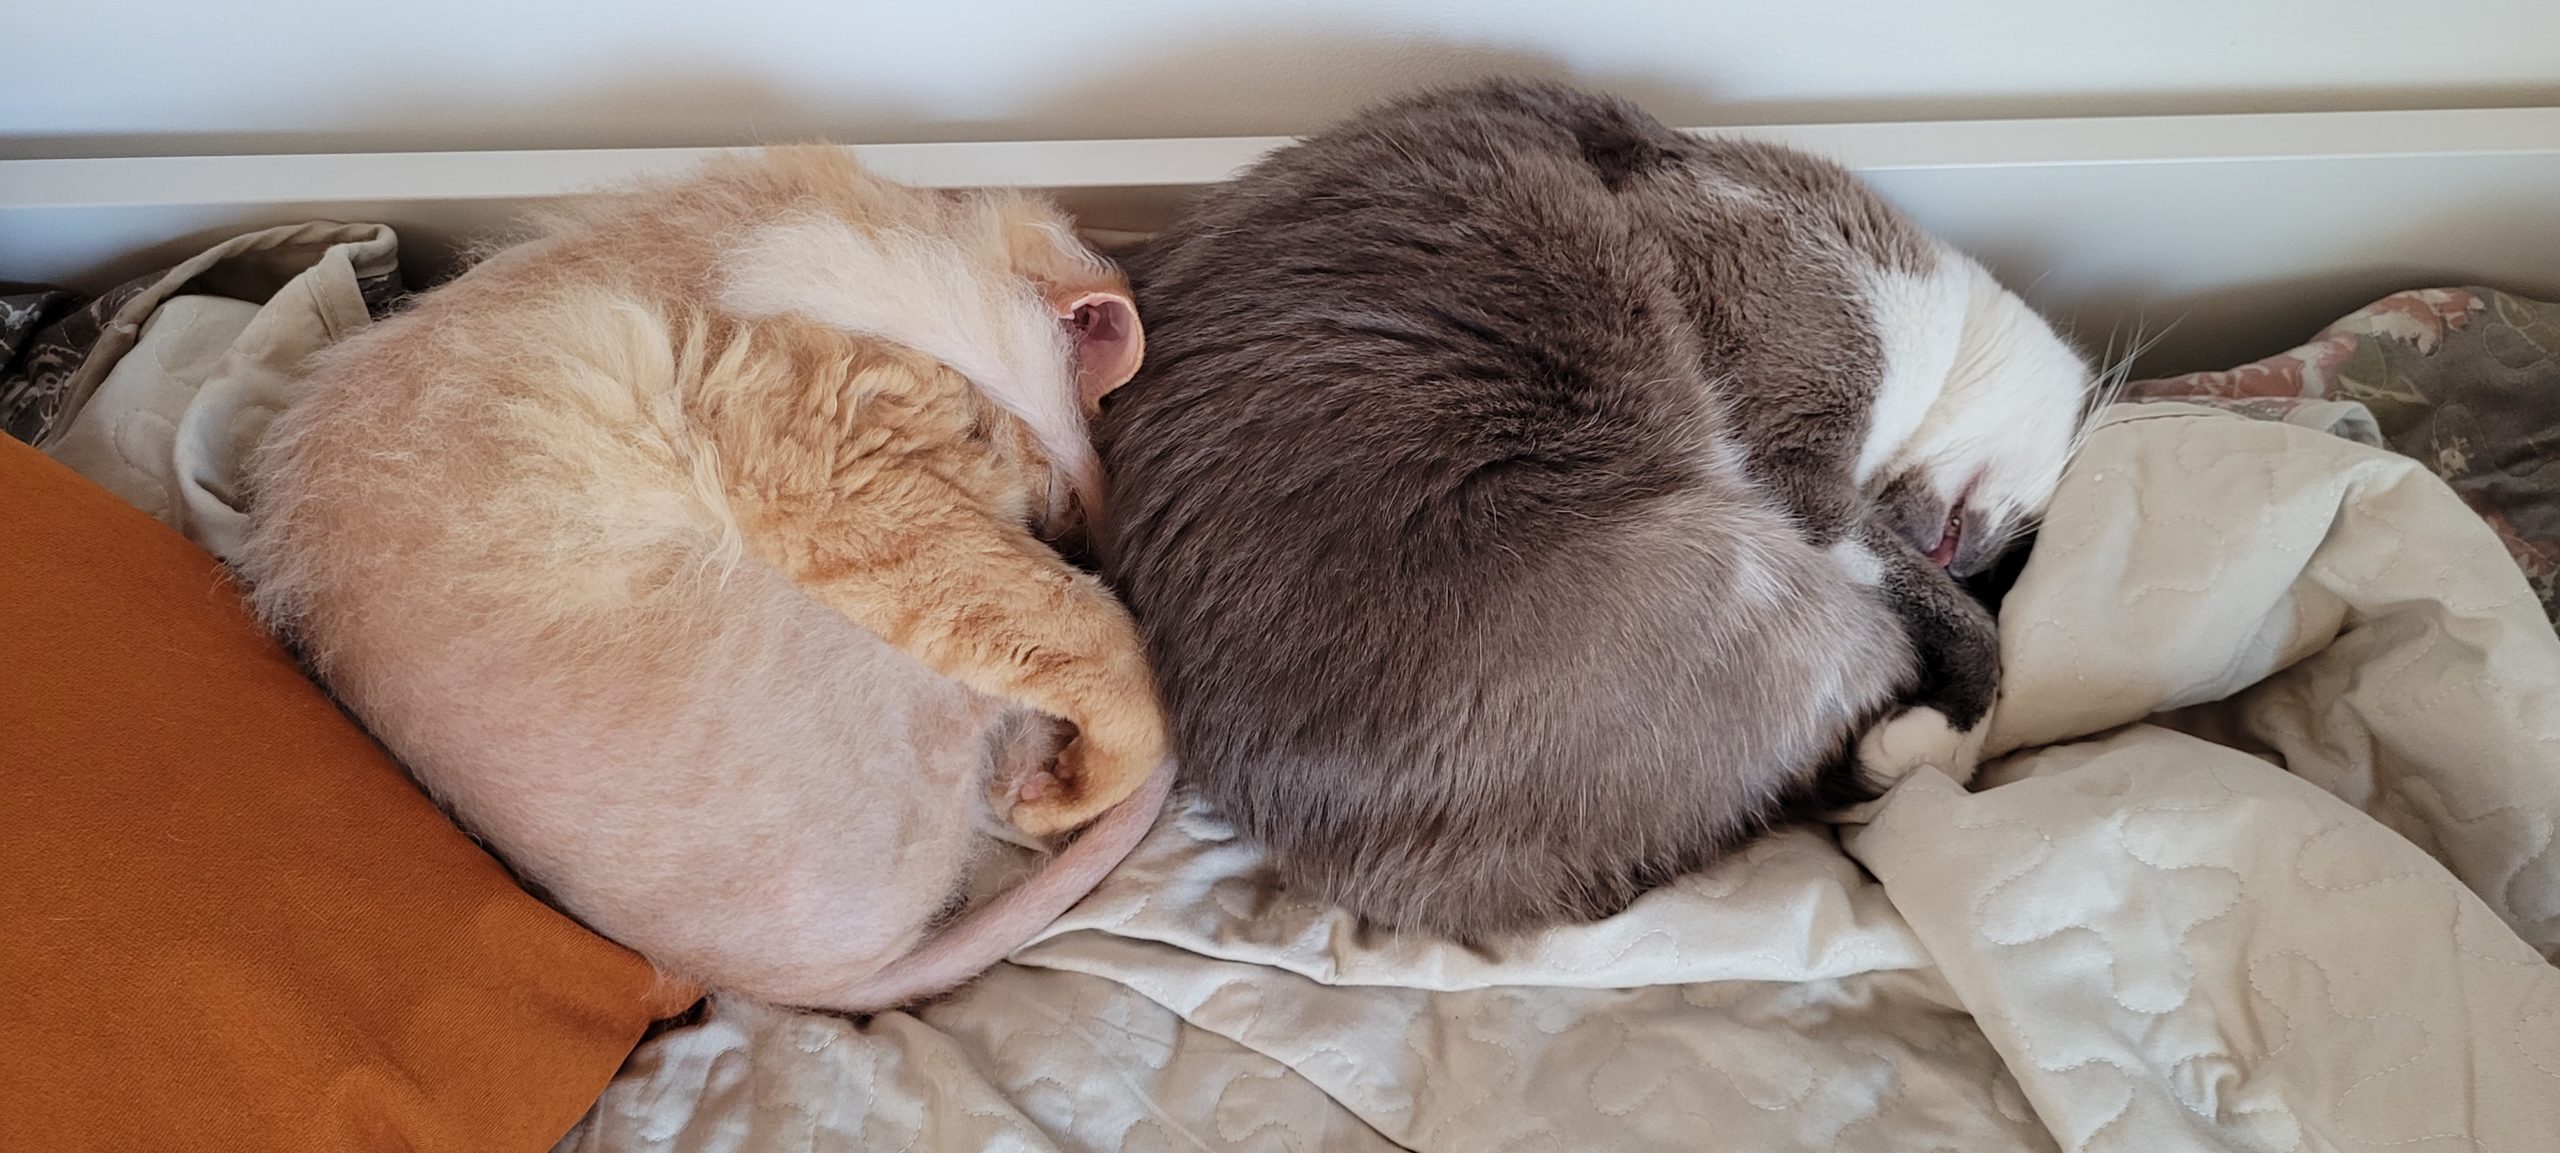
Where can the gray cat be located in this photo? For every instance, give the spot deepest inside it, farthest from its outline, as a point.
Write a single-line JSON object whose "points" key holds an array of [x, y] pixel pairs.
{"points": [[1525, 503]]}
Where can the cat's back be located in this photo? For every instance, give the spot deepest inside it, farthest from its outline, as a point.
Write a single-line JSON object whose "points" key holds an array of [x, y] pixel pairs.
{"points": [[1415, 207], [1463, 599], [533, 432], [509, 445], [1452, 298], [495, 525]]}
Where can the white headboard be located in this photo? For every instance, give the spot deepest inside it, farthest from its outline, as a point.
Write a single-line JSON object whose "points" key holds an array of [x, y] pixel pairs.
{"points": [[2237, 234]]}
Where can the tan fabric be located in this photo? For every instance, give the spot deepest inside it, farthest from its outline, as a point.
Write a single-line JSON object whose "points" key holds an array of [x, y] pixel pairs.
{"points": [[189, 373], [2131, 939]]}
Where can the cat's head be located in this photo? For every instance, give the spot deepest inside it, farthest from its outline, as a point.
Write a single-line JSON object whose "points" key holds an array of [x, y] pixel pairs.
{"points": [[1086, 292], [1096, 318], [1975, 478], [992, 283]]}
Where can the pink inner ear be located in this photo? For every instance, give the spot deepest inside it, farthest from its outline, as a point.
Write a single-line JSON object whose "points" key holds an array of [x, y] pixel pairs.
{"points": [[1099, 322], [1109, 343]]}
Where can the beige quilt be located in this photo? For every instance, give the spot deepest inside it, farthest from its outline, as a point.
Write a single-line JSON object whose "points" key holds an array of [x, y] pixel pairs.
{"points": [[189, 370], [2269, 866]]}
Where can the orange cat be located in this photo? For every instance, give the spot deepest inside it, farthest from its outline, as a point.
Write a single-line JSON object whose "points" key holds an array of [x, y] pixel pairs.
{"points": [[604, 539]]}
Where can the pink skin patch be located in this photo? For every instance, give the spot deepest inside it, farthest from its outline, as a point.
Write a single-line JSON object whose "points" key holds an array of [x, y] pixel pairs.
{"points": [[1945, 553], [1098, 322], [1952, 535]]}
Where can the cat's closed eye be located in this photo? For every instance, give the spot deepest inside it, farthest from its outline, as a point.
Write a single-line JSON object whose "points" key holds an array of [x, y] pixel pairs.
{"points": [[1912, 509]]}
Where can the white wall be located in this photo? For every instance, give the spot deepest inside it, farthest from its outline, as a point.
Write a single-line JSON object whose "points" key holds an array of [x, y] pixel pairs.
{"points": [[131, 77]]}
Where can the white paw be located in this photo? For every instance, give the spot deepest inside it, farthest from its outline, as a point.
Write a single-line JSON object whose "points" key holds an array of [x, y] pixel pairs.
{"points": [[1916, 737]]}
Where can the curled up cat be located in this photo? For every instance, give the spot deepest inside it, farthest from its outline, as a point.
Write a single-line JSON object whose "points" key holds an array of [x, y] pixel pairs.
{"points": [[1526, 504], [692, 555]]}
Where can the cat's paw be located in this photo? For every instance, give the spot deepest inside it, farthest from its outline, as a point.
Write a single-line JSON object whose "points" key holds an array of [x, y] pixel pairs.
{"points": [[1916, 737], [1078, 787]]}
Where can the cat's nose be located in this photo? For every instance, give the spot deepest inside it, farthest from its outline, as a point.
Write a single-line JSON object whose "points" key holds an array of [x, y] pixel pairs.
{"points": [[1979, 545]]}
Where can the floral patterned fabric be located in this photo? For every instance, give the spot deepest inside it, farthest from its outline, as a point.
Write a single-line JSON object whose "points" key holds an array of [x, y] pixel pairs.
{"points": [[44, 335], [2465, 380]]}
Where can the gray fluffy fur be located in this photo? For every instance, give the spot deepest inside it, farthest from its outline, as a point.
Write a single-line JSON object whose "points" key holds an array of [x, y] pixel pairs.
{"points": [[1476, 498]]}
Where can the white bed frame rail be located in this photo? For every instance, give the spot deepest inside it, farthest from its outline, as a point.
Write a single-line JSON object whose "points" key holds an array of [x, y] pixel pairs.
{"points": [[2227, 237]]}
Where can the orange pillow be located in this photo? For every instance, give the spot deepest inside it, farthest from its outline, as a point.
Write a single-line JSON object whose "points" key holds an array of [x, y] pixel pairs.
{"points": [[227, 919]]}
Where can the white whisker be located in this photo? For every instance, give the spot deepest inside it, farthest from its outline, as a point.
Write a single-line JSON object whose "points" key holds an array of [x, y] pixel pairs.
{"points": [[2108, 384]]}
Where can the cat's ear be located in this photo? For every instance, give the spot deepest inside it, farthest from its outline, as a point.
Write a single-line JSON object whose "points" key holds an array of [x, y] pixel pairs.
{"points": [[1109, 341]]}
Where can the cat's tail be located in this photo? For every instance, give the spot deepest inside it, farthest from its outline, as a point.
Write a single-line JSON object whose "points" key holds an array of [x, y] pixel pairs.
{"points": [[993, 930]]}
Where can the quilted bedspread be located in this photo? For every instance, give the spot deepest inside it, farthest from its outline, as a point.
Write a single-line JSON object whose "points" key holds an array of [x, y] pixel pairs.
{"points": [[2267, 864]]}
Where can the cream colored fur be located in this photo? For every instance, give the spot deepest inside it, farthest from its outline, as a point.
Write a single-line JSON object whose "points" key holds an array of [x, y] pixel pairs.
{"points": [[699, 576], [1001, 337]]}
